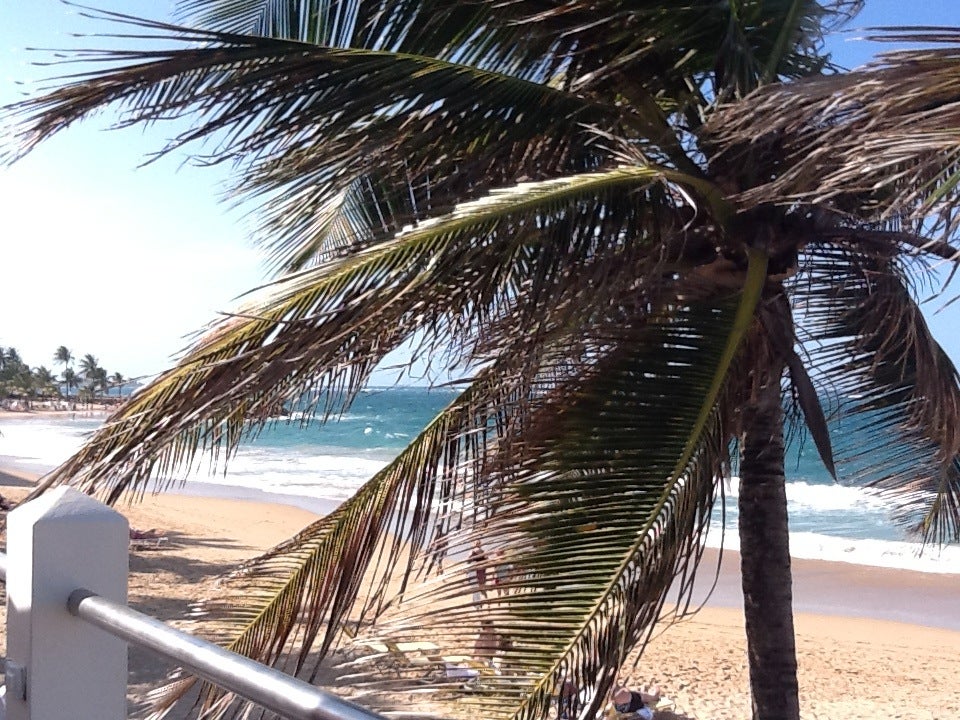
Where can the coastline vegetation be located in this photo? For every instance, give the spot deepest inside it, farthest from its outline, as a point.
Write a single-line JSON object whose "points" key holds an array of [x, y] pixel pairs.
{"points": [[23, 386]]}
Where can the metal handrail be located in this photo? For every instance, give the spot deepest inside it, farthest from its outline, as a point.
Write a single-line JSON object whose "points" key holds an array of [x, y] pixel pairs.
{"points": [[274, 690]]}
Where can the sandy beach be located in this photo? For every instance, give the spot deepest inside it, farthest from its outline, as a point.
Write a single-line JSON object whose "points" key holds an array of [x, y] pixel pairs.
{"points": [[856, 661], [85, 410]]}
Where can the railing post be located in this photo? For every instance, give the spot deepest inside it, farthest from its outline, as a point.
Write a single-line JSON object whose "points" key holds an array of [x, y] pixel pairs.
{"points": [[67, 669]]}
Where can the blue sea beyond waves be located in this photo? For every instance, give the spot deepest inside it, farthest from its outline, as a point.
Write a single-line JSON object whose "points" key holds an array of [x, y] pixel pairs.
{"points": [[299, 458]]}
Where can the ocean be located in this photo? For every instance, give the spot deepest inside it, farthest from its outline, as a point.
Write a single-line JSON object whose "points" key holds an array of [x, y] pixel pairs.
{"points": [[316, 467]]}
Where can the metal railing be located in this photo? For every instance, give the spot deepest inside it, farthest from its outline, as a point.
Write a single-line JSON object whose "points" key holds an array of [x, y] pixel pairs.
{"points": [[271, 689]]}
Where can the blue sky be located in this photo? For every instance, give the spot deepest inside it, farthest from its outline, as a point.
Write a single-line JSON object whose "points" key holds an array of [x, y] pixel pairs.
{"points": [[126, 262], [103, 256]]}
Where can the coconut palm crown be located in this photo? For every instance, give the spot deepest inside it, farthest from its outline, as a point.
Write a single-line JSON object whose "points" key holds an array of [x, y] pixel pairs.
{"points": [[622, 219]]}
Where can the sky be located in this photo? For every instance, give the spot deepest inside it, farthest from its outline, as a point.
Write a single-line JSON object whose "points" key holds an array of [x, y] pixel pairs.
{"points": [[125, 261]]}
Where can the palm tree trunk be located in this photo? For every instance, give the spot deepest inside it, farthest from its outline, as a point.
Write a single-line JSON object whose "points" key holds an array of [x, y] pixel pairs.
{"points": [[765, 558]]}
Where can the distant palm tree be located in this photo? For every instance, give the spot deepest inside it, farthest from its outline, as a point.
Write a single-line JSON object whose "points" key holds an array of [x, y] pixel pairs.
{"points": [[89, 365], [15, 376], [45, 382], [609, 210], [63, 356], [92, 373], [70, 379], [10, 357], [118, 381], [101, 379]]}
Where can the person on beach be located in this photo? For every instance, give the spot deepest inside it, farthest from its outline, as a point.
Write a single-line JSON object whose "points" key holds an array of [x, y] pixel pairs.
{"points": [[478, 572], [567, 700], [439, 546], [490, 645], [637, 704], [501, 572]]}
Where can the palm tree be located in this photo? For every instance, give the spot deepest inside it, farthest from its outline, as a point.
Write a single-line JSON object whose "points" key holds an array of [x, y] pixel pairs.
{"points": [[5, 374], [89, 365], [90, 370], [45, 382], [606, 212], [63, 356], [118, 381], [10, 358], [70, 379], [101, 378], [15, 375]]}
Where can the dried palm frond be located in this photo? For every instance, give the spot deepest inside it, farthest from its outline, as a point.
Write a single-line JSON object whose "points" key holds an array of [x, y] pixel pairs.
{"points": [[876, 353], [880, 142]]}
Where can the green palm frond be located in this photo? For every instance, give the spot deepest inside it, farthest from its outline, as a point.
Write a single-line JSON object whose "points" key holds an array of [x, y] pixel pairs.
{"points": [[467, 31], [757, 45], [323, 330], [880, 142], [342, 144], [577, 39], [605, 505], [319, 22], [876, 353], [301, 591], [611, 51], [300, 94]]}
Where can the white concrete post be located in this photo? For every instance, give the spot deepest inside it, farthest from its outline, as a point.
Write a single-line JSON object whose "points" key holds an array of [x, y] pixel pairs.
{"points": [[58, 666]]}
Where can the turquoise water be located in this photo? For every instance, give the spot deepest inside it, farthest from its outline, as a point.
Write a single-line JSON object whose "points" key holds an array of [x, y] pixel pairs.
{"points": [[301, 458]]}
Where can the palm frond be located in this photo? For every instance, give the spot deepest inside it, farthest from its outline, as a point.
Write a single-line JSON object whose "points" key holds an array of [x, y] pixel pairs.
{"points": [[595, 489], [303, 590], [578, 41], [880, 142], [292, 91], [317, 22], [876, 353], [765, 41], [342, 143], [668, 44], [321, 332]]}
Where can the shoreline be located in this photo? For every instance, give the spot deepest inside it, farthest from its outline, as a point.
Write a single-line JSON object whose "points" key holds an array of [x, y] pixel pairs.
{"points": [[322, 477], [854, 658], [84, 410], [820, 587], [845, 590]]}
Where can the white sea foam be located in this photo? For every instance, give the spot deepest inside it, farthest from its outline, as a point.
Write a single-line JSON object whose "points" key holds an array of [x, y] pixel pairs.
{"points": [[842, 524], [44, 442], [326, 476], [818, 497], [897, 554], [828, 521]]}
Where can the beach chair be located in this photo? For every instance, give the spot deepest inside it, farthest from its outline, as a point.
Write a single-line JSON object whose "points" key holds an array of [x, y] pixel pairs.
{"points": [[397, 657], [664, 704], [466, 667], [147, 540]]}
